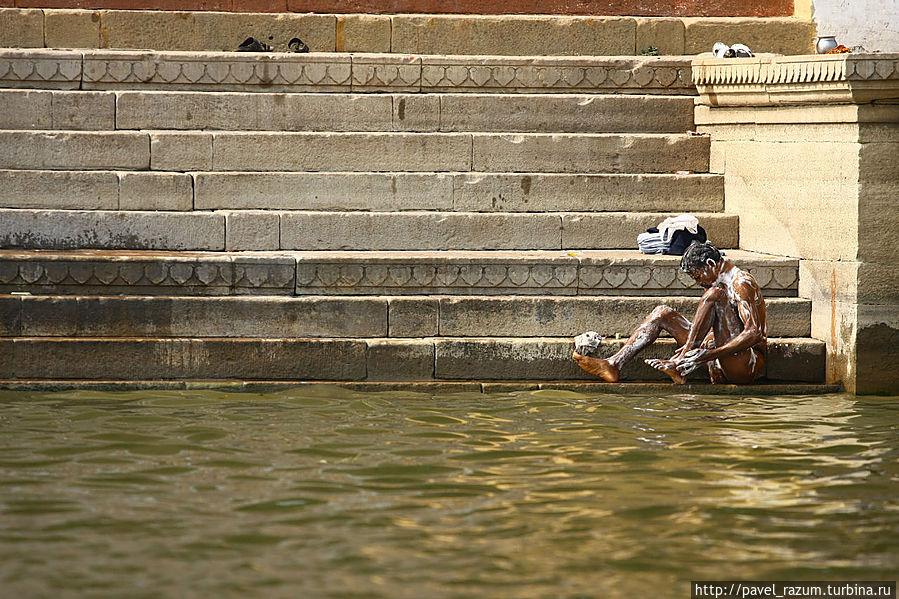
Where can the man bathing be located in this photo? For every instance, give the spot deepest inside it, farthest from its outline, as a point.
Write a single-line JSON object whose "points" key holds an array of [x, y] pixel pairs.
{"points": [[728, 334]]}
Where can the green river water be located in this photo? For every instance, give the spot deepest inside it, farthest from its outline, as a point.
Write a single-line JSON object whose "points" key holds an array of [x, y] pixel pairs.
{"points": [[320, 492]]}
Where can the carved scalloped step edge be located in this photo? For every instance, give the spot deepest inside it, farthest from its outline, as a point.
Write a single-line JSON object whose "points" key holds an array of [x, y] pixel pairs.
{"points": [[222, 71]]}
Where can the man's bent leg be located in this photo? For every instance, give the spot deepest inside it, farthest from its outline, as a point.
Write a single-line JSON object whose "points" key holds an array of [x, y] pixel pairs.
{"points": [[663, 318], [707, 313]]}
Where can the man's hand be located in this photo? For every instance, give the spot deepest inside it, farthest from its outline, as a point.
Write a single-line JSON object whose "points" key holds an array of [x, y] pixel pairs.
{"points": [[690, 360]]}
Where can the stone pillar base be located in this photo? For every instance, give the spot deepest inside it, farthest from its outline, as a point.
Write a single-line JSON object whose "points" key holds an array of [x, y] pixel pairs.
{"points": [[809, 147]]}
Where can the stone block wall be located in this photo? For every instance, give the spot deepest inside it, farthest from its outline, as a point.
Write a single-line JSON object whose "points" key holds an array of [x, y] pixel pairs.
{"points": [[515, 35], [682, 8], [809, 148]]}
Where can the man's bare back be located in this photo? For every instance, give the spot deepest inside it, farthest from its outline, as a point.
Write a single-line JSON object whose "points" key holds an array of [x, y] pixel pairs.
{"points": [[728, 333]]}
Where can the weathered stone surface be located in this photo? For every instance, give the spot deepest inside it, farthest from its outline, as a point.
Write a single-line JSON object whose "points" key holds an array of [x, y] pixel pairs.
{"points": [[324, 191], [570, 113], [774, 35], [579, 153], [363, 33], [418, 231], [779, 80], [182, 152], [230, 71], [619, 230], [589, 272], [232, 111], [514, 36], [74, 150], [877, 349], [400, 360], [796, 360], [878, 216], [528, 192], [342, 151], [59, 189], [21, 28], [416, 112], [264, 273], [71, 28], [252, 230], [549, 358], [65, 229], [269, 317], [848, 282], [557, 74], [419, 273], [203, 31], [155, 191], [27, 109], [83, 110], [665, 34], [134, 273], [569, 316], [780, 203], [412, 316], [46, 69], [386, 73], [166, 359]]}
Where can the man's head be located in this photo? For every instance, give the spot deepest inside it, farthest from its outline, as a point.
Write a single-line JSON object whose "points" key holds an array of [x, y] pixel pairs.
{"points": [[702, 261]]}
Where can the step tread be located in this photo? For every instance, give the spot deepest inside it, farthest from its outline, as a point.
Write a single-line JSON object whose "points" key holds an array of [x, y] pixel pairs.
{"points": [[334, 72], [499, 358], [354, 316], [526, 272], [314, 111]]}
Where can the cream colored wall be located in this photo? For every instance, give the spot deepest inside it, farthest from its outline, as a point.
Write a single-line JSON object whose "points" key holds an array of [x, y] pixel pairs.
{"points": [[873, 24]]}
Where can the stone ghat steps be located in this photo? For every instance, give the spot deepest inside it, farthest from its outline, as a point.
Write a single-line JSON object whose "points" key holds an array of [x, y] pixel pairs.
{"points": [[452, 72], [276, 317], [340, 192], [412, 34], [425, 112], [354, 151], [415, 389], [378, 359], [562, 273], [310, 230], [513, 7]]}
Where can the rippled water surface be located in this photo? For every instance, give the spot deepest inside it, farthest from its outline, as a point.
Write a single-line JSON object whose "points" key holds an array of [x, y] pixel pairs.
{"points": [[320, 492]]}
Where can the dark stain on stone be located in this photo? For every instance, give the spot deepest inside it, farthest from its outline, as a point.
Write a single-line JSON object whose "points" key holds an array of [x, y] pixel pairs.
{"points": [[526, 184], [401, 109]]}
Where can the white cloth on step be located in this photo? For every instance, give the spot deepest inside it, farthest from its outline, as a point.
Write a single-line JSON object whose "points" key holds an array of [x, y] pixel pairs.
{"points": [[675, 223]]}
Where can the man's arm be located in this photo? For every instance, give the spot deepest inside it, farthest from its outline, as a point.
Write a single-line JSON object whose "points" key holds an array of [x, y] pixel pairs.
{"points": [[749, 307]]}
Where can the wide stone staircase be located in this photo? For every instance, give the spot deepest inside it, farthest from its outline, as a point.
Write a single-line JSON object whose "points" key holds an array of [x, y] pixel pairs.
{"points": [[351, 217]]}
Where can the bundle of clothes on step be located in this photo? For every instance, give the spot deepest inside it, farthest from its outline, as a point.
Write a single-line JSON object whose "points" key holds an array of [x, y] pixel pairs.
{"points": [[673, 235]]}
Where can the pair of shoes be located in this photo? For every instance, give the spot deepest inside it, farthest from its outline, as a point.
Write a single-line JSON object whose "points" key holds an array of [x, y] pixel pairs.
{"points": [[297, 45], [251, 44], [722, 50]]}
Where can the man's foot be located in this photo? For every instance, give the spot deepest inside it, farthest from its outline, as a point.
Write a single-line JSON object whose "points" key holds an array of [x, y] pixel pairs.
{"points": [[597, 366], [668, 367]]}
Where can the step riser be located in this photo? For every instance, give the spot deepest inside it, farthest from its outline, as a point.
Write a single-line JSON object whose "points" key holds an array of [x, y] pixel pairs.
{"points": [[480, 192], [322, 72], [435, 33], [70, 110], [352, 317], [302, 359], [272, 230], [458, 273], [357, 152]]}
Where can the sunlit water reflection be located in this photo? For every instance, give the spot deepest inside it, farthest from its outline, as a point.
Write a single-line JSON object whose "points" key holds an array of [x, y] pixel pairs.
{"points": [[320, 492]]}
